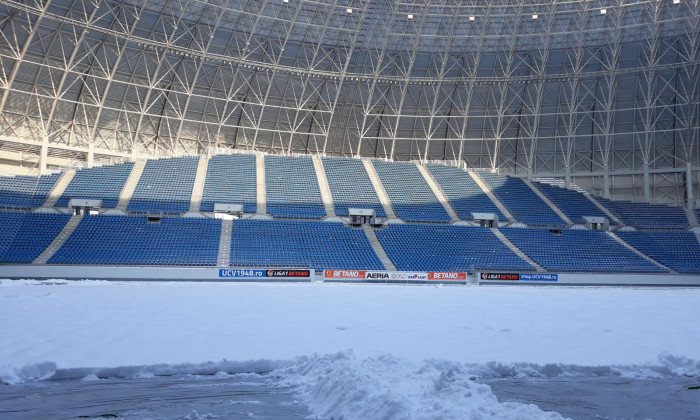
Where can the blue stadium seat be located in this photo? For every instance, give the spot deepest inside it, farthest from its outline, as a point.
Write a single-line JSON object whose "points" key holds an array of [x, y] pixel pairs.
{"points": [[645, 215], [31, 234], [526, 206], [25, 192], [350, 186], [102, 183], [132, 240], [301, 243], [464, 194], [409, 193], [165, 186], [578, 251], [678, 250], [231, 179], [292, 188], [572, 203], [419, 247]]}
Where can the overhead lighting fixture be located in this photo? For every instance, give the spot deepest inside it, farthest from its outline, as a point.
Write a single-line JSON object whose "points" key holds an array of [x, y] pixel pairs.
{"points": [[676, 1], [535, 16], [410, 16], [472, 18], [603, 11], [349, 10]]}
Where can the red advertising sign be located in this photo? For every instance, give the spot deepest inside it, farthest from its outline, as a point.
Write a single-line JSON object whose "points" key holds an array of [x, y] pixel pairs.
{"points": [[393, 275], [447, 275]]}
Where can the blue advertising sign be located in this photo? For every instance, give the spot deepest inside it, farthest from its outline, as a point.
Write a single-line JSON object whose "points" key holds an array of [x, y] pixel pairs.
{"points": [[238, 273], [538, 277]]}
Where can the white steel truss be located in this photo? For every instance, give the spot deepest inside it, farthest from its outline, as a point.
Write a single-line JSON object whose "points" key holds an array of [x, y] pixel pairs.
{"points": [[609, 101]]}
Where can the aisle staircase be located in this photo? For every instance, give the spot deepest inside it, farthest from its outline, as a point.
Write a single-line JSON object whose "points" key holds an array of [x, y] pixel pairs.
{"points": [[224, 257], [58, 188], [59, 240], [547, 201], [692, 218], [516, 250], [130, 184], [638, 252], [324, 187], [605, 210], [485, 188], [378, 248], [379, 188], [438, 192], [198, 187], [261, 189]]}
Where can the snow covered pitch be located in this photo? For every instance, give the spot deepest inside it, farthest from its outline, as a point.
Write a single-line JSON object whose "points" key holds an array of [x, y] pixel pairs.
{"points": [[351, 351]]}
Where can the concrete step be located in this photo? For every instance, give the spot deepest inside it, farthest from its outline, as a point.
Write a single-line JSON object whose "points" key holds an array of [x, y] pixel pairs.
{"points": [[378, 248], [324, 187], [438, 192], [638, 252], [130, 184], [547, 201], [224, 257], [485, 188], [198, 187], [516, 250], [604, 209], [260, 180], [59, 240], [58, 188], [692, 217], [379, 188]]}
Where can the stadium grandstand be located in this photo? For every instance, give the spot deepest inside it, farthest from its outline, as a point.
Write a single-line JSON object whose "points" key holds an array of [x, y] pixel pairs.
{"points": [[502, 136]]}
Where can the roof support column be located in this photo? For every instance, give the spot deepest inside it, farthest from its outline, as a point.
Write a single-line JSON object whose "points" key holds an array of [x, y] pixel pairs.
{"points": [[690, 201], [647, 183]]}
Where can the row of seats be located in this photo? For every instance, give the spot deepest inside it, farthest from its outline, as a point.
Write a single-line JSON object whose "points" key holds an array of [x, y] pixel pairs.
{"points": [[133, 240], [573, 204], [293, 191], [25, 192], [464, 194], [520, 200], [578, 250], [231, 179], [305, 243], [165, 186], [677, 250], [292, 188], [26, 235], [420, 247], [646, 215], [351, 186], [100, 183], [409, 193]]}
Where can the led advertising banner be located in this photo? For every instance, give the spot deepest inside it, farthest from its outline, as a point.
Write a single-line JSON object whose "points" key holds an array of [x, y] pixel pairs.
{"points": [[393, 275], [251, 273]]}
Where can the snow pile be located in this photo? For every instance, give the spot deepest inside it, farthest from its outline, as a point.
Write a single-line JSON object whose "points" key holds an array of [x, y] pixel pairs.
{"points": [[49, 371], [666, 366], [386, 387], [31, 372]]}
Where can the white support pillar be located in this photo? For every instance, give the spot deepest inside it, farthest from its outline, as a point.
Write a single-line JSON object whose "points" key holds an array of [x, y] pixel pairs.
{"points": [[647, 183], [689, 186], [606, 182], [91, 154], [44, 155]]}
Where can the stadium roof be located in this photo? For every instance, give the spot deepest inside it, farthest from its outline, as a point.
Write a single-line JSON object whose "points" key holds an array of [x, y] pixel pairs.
{"points": [[555, 88]]}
